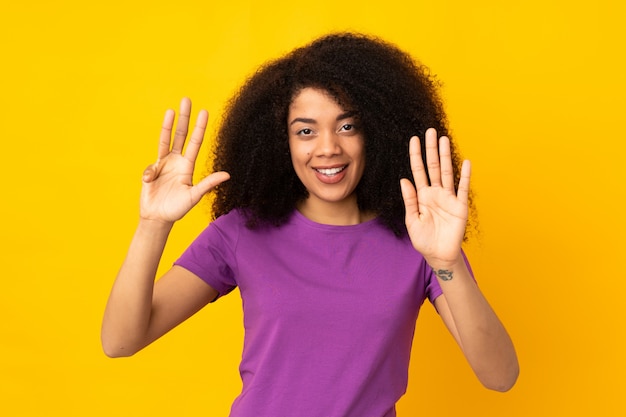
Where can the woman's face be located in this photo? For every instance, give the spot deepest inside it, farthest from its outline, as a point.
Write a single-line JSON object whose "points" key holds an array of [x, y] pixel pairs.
{"points": [[327, 148]]}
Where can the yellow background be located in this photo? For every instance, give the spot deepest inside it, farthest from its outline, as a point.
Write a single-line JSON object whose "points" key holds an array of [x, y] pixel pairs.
{"points": [[535, 94]]}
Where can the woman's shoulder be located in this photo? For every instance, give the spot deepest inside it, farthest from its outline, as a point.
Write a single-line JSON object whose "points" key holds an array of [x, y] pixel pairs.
{"points": [[224, 228], [233, 217]]}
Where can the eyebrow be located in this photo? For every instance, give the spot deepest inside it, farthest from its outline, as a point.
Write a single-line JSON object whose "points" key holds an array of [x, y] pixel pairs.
{"points": [[342, 116]]}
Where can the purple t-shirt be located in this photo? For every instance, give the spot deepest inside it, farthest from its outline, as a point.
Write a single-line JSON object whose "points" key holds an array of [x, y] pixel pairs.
{"points": [[329, 312]]}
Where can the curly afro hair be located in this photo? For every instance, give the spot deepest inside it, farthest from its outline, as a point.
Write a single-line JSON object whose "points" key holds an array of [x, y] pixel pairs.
{"points": [[394, 97]]}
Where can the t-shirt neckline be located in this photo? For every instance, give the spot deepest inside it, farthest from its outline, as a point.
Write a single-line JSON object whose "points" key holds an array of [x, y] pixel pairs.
{"points": [[301, 218]]}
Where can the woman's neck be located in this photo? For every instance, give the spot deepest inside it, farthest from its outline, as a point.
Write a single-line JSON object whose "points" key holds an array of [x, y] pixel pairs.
{"points": [[345, 213]]}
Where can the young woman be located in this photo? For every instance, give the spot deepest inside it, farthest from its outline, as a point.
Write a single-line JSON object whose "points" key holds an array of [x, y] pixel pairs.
{"points": [[332, 247]]}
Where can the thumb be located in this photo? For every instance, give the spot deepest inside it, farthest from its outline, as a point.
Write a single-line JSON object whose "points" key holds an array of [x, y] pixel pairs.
{"points": [[211, 181], [150, 173]]}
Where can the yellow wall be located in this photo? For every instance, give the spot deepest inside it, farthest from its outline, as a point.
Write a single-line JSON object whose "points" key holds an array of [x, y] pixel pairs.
{"points": [[535, 92]]}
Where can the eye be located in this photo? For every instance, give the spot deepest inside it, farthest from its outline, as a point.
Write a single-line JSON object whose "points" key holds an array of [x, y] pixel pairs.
{"points": [[304, 132], [351, 128]]}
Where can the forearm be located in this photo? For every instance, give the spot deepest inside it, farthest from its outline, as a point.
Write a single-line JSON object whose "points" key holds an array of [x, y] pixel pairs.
{"points": [[482, 337], [128, 311]]}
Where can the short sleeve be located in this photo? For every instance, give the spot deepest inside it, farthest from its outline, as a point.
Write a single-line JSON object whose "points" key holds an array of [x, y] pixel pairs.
{"points": [[433, 289], [211, 256]]}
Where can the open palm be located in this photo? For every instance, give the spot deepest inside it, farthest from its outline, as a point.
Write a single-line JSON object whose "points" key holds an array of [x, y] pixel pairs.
{"points": [[436, 214], [168, 192]]}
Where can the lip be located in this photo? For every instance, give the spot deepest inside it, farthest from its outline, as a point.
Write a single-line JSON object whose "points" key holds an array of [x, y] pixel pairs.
{"points": [[330, 179]]}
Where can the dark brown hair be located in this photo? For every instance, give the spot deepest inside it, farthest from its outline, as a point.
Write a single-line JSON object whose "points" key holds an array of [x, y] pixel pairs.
{"points": [[394, 96]]}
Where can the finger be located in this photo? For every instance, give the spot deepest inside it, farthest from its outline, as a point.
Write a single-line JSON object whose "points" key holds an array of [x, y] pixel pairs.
{"points": [[432, 158], [150, 173], [197, 136], [445, 159], [166, 134], [208, 183], [182, 125], [417, 165], [464, 182], [409, 195]]}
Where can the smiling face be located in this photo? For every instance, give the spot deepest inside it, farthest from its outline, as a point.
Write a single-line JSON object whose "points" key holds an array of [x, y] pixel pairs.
{"points": [[327, 151]]}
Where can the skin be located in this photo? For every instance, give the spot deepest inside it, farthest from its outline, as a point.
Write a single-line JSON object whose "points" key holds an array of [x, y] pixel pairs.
{"points": [[324, 138], [320, 136], [139, 310], [436, 217]]}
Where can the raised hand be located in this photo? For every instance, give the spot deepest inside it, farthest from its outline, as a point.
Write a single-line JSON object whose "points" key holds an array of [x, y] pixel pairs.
{"points": [[168, 192], [436, 215]]}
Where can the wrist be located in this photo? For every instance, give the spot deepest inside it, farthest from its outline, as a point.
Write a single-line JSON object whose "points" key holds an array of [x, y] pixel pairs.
{"points": [[457, 272], [154, 227], [443, 268]]}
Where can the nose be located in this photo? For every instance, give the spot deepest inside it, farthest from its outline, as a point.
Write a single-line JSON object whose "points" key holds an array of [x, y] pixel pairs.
{"points": [[328, 144]]}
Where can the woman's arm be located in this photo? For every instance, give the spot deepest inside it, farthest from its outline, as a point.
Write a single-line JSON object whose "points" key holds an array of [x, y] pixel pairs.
{"points": [[138, 311], [436, 217], [476, 328]]}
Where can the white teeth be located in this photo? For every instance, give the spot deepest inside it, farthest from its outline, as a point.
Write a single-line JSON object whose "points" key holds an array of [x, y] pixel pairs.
{"points": [[330, 171]]}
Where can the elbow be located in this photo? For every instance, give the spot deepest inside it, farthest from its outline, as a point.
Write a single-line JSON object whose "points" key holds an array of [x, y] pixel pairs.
{"points": [[119, 342], [114, 348], [503, 381], [503, 386], [116, 352]]}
